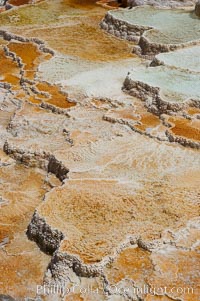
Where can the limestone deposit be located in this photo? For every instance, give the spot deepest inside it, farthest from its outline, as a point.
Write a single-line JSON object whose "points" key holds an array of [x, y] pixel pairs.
{"points": [[145, 27], [99, 152], [157, 3]]}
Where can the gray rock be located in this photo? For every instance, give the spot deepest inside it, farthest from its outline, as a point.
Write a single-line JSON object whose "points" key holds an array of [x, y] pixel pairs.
{"points": [[6, 298], [133, 3], [8, 6], [197, 9]]}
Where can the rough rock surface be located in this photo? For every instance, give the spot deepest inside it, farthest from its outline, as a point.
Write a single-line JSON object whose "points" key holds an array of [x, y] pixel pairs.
{"points": [[144, 26], [159, 3], [110, 214], [162, 96], [197, 9]]}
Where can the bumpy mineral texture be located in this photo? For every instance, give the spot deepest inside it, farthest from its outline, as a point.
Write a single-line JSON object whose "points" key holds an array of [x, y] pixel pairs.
{"points": [[197, 9], [144, 26]]}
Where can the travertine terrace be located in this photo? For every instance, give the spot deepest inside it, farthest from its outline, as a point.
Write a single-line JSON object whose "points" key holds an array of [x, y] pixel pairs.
{"points": [[99, 152], [144, 25]]}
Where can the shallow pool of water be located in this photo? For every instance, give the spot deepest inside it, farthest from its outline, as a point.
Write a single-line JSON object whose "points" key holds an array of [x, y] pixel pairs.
{"points": [[176, 85], [170, 26], [187, 58]]}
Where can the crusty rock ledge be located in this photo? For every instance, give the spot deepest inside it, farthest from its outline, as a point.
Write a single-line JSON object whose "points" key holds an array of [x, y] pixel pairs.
{"points": [[181, 140], [151, 96], [146, 47], [156, 104], [41, 160], [47, 239], [55, 109], [122, 29], [60, 264], [61, 261], [10, 36], [133, 127], [56, 167], [153, 100], [23, 80], [136, 33]]}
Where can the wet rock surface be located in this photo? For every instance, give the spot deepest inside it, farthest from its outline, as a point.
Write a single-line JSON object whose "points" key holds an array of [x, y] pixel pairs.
{"points": [[99, 189]]}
